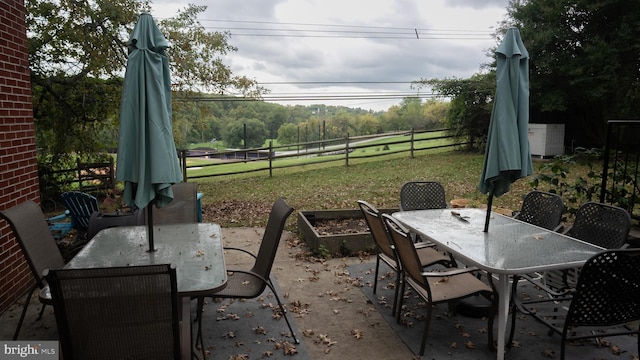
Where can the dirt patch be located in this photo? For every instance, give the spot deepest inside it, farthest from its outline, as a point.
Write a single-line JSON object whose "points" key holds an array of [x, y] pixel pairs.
{"points": [[236, 213], [340, 226]]}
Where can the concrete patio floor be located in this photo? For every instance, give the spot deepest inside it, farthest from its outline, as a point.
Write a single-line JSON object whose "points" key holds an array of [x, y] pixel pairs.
{"points": [[334, 317]]}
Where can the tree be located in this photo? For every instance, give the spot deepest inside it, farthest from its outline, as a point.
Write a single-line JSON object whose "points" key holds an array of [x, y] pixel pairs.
{"points": [[256, 133], [435, 113], [288, 134], [412, 113], [368, 125], [393, 121], [584, 64], [275, 118], [77, 54], [340, 124], [470, 110]]}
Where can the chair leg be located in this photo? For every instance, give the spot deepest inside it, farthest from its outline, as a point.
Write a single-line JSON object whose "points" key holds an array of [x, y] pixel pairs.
{"points": [[199, 337], [400, 298], [41, 311], [284, 311], [425, 333], [24, 312], [375, 278], [395, 295]]}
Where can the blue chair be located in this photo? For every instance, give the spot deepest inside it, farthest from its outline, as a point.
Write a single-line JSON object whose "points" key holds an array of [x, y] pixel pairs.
{"points": [[79, 206]]}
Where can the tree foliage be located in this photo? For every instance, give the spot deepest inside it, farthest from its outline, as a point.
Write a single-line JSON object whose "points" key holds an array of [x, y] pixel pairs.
{"points": [[469, 113], [584, 67], [246, 133], [77, 54]]}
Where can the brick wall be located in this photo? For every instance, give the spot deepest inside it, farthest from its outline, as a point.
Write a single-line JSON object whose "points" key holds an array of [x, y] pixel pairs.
{"points": [[18, 165]]}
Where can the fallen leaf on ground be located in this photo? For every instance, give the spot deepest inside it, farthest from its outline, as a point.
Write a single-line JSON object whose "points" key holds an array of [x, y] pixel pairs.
{"points": [[470, 345], [615, 350], [356, 334], [260, 330], [239, 357]]}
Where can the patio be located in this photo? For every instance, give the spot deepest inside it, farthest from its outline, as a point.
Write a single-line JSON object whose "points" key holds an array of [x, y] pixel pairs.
{"points": [[337, 317]]}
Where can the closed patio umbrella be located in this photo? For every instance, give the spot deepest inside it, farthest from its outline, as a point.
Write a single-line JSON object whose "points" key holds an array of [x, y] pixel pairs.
{"points": [[147, 158], [507, 155]]}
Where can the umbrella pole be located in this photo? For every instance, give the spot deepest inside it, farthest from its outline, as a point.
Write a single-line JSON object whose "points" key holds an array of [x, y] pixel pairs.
{"points": [[489, 204], [150, 226]]}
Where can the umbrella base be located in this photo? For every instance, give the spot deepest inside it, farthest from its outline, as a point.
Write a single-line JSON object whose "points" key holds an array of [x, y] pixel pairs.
{"points": [[475, 307]]}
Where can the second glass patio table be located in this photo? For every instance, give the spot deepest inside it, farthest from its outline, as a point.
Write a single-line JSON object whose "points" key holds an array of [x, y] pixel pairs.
{"points": [[509, 247], [195, 250]]}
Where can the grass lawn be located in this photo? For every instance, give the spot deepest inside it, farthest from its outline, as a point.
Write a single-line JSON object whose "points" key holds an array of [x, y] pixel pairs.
{"points": [[334, 186]]}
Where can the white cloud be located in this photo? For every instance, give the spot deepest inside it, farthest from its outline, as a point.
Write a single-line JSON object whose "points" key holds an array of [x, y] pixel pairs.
{"points": [[454, 37]]}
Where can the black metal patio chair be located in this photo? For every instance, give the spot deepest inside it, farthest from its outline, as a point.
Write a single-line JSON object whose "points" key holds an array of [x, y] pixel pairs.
{"points": [[603, 303], [422, 195], [600, 224], [542, 209]]}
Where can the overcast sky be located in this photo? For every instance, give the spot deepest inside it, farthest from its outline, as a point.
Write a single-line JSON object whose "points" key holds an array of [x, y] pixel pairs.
{"points": [[364, 47]]}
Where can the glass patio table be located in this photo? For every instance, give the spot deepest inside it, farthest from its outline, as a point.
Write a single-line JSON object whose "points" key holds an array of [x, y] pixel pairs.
{"points": [[195, 250], [509, 247]]}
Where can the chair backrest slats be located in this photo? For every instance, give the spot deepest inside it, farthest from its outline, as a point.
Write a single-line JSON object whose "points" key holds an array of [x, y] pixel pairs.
{"points": [[600, 224], [34, 237], [422, 195], [542, 209], [608, 290], [117, 313], [81, 206], [280, 211]]}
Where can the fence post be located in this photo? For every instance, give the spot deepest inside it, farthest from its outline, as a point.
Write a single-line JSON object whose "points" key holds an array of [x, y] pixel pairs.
{"points": [[270, 158], [182, 157], [346, 150], [412, 146]]}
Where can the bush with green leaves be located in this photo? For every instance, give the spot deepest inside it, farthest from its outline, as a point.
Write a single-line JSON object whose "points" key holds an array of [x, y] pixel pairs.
{"points": [[585, 183]]}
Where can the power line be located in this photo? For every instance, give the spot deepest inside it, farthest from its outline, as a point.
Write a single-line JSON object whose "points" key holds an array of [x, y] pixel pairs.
{"points": [[311, 30], [346, 26], [313, 97], [332, 82]]}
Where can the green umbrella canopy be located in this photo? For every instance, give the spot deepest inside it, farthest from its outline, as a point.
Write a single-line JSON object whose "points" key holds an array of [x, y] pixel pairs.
{"points": [[507, 155], [147, 158]]}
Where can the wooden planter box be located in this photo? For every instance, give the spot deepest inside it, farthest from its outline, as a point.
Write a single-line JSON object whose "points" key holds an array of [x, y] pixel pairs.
{"points": [[335, 244]]}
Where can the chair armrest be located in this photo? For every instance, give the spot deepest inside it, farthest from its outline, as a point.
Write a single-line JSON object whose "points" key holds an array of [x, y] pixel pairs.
{"points": [[452, 272], [424, 244], [58, 218], [248, 272], [241, 250]]}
